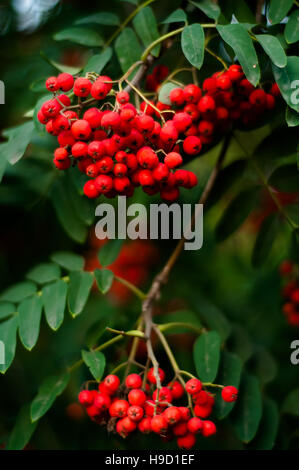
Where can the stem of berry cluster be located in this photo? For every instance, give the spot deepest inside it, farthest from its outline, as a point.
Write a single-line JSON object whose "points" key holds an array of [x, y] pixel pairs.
{"points": [[162, 276]]}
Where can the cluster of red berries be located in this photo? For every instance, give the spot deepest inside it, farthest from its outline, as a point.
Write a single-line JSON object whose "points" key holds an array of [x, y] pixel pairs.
{"points": [[133, 263], [290, 292], [136, 406], [125, 147]]}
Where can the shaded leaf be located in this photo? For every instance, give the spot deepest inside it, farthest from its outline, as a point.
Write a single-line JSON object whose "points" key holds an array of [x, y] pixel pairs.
{"points": [[292, 117], [247, 412], [30, 311], [213, 318], [210, 8], [176, 16], [98, 62], [8, 336], [229, 374], [264, 240], [68, 260], [273, 49], [127, 48], [95, 361], [6, 309], [291, 31], [145, 25], [291, 403], [285, 178], [18, 140], [110, 251], [104, 17], [206, 354], [18, 292], [79, 289], [22, 431], [54, 300], [288, 82], [266, 435], [192, 41], [49, 390], [236, 36], [278, 10], [83, 36], [104, 278], [43, 273]]}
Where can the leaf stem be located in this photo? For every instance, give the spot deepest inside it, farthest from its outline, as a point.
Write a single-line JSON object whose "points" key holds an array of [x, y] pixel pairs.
{"points": [[141, 295]]}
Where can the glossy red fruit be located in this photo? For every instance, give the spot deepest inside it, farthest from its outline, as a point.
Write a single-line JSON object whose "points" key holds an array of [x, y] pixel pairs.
{"points": [[180, 429], [192, 145], [193, 386], [172, 415], [159, 424], [177, 390], [194, 425], [51, 84], [186, 442], [206, 104], [163, 395], [135, 413], [229, 393], [93, 116], [112, 383], [133, 381], [177, 97], [104, 184], [82, 87], [102, 401], [136, 397], [208, 428], [122, 97], [119, 408], [144, 425], [65, 81], [90, 190], [81, 129], [85, 397], [202, 411]]}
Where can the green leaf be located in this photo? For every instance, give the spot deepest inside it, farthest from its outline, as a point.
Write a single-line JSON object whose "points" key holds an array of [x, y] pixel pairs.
{"points": [[95, 361], [176, 16], [294, 255], [206, 354], [291, 403], [49, 390], [192, 42], [18, 292], [264, 240], [61, 67], [225, 179], [273, 49], [285, 178], [180, 316], [79, 289], [266, 435], [105, 18], [6, 309], [209, 8], [291, 31], [43, 273], [8, 336], [145, 25], [104, 278], [83, 36], [164, 92], [110, 251], [292, 117], [236, 213], [66, 214], [278, 10], [3, 161], [68, 260], [263, 365], [97, 62], [54, 300], [240, 343], [127, 48], [229, 374], [30, 312], [247, 412], [287, 81], [236, 36], [213, 317], [18, 140], [22, 431]]}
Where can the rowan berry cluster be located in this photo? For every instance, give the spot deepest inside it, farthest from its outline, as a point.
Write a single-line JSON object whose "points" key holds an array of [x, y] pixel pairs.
{"points": [[140, 405], [120, 147], [290, 292]]}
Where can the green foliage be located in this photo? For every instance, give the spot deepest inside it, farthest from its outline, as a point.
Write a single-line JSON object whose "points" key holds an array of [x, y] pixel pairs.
{"points": [[95, 361], [79, 288], [84, 36], [22, 431], [145, 25], [206, 355], [109, 252], [193, 39], [49, 390], [104, 278]]}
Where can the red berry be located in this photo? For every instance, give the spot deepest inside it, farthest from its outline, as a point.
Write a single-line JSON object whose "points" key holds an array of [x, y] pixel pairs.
{"points": [[177, 96], [144, 425], [147, 158], [159, 424], [173, 159], [201, 398], [185, 413], [223, 82], [119, 408], [90, 190], [135, 413], [105, 165], [194, 425], [206, 104], [85, 397], [145, 124], [92, 170], [61, 123], [208, 428], [235, 72], [80, 149], [51, 84], [102, 401], [136, 397], [229, 393], [122, 97], [192, 93], [50, 108], [128, 425], [93, 411], [134, 381], [192, 145], [160, 173], [112, 383], [120, 170], [99, 90], [82, 87], [65, 81], [258, 97], [275, 91], [193, 386], [96, 149], [180, 429], [202, 411], [104, 184], [186, 442], [172, 415], [164, 395], [94, 117], [286, 267], [177, 390], [295, 296], [66, 139], [110, 119], [206, 128], [60, 153], [121, 184], [81, 129], [169, 133], [182, 121], [146, 178], [170, 194]]}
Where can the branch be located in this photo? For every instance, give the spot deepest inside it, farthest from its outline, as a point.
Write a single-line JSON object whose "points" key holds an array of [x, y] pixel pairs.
{"points": [[162, 277]]}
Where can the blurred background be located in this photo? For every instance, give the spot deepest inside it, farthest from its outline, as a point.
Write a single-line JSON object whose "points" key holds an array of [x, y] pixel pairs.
{"points": [[217, 283]]}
